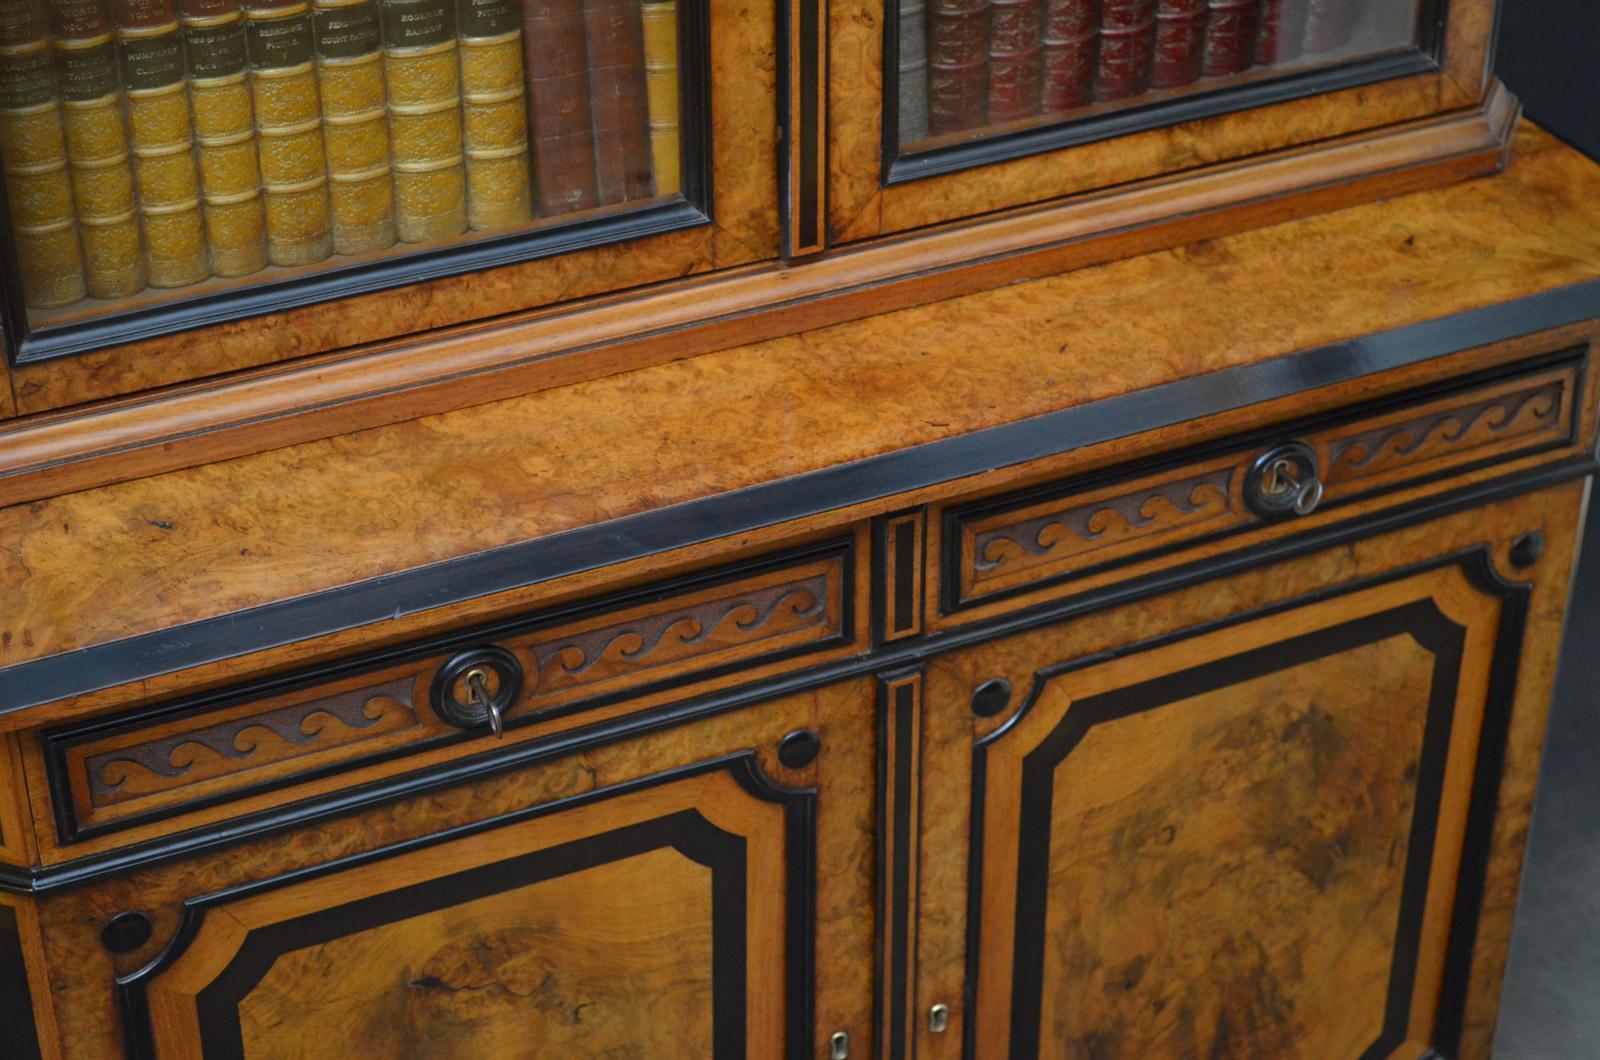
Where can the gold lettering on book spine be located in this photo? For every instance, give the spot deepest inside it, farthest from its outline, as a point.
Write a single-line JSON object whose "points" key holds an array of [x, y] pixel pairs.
{"points": [[661, 90], [422, 72], [355, 125]]}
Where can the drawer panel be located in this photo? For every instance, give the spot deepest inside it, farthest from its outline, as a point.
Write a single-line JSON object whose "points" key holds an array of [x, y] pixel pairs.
{"points": [[1042, 536], [775, 613]]}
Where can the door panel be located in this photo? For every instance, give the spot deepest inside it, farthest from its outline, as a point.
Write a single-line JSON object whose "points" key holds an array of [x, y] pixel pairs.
{"points": [[1251, 817]]}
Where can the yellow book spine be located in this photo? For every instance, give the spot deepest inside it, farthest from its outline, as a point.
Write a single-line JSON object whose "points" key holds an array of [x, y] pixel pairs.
{"points": [[97, 151], [288, 112], [495, 113], [355, 124], [225, 136], [159, 134], [661, 90], [33, 154], [422, 73]]}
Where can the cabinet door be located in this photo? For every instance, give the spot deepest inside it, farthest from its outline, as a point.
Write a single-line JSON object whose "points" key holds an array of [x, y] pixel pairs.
{"points": [[1252, 817], [674, 907]]}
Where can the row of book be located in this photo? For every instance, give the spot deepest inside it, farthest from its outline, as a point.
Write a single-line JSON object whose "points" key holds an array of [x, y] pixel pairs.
{"points": [[157, 143], [970, 63]]}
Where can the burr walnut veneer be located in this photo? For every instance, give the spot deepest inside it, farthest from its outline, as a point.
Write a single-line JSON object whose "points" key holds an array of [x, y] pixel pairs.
{"points": [[1122, 628]]}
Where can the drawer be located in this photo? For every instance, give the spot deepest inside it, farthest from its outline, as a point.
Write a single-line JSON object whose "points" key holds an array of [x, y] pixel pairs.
{"points": [[544, 672], [1065, 534]]}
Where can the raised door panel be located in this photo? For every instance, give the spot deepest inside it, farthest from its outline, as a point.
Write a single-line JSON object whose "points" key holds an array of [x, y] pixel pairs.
{"points": [[1251, 818], [674, 900]]}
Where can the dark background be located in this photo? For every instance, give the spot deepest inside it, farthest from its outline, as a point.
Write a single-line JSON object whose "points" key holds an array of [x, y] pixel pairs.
{"points": [[1550, 56]]}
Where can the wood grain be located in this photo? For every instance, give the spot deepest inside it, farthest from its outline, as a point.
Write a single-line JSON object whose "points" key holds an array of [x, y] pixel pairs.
{"points": [[81, 970], [381, 383], [211, 540], [1119, 789]]}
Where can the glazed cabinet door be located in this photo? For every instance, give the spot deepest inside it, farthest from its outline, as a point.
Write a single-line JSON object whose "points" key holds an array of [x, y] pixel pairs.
{"points": [[670, 895], [1260, 816]]}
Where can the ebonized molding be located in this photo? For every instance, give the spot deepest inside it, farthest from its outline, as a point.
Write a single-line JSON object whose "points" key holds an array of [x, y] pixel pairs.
{"points": [[909, 653], [740, 511]]}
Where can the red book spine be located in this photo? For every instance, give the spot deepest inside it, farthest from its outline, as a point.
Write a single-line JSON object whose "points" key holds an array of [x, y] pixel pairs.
{"points": [[1230, 37], [1015, 42], [958, 60], [1127, 35], [1068, 52], [1180, 34], [614, 35], [1280, 30], [1329, 24], [559, 117]]}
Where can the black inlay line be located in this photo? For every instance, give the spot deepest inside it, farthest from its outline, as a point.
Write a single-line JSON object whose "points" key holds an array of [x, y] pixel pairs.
{"points": [[56, 743], [687, 831], [725, 515], [905, 561], [1443, 638], [899, 954], [910, 653], [810, 131]]}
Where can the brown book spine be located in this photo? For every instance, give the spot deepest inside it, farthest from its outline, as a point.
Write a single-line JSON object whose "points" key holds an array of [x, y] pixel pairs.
{"points": [[1230, 37], [288, 110], [216, 47], [97, 147], [33, 153], [355, 124], [614, 41], [1127, 38], [495, 110], [660, 19], [1280, 30], [423, 75], [1180, 36], [558, 107], [1070, 37], [1016, 33], [958, 64], [150, 47], [1329, 24]]}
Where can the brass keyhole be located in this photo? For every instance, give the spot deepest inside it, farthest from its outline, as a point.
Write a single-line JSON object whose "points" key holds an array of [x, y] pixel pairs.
{"points": [[479, 694]]}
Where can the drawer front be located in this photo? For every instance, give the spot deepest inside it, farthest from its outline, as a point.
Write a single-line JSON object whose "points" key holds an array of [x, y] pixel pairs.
{"points": [[1045, 536], [774, 614]]}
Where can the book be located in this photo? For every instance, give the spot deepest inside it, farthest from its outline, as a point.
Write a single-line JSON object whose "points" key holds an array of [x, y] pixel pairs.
{"points": [[559, 116], [1230, 38], [288, 112], [150, 52], [1127, 39], [958, 64], [1180, 38], [101, 165], [33, 154], [1068, 46], [495, 113], [217, 52], [912, 112], [1015, 49], [1329, 24], [422, 73], [355, 124], [660, 18], [1280, 31], [613, 37]]}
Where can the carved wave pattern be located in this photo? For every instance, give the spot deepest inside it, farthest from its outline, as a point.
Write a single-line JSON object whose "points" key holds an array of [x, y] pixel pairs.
{"points": [[656, 640], [288, 732], [1508, 415], [1087, 527]]}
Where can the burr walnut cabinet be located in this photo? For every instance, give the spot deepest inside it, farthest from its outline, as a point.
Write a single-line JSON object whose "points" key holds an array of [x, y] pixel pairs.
{"points": [[963, 560]]}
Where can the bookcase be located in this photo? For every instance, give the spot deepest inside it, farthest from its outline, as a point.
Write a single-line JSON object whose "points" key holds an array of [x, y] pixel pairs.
{"points": [[689, 527]]}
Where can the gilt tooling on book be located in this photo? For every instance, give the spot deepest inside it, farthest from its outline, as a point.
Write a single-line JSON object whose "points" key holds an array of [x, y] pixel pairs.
{"points": [[161, 144]]}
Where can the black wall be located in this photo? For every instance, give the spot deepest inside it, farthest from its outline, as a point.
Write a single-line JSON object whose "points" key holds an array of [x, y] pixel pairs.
{"points": [[1550, 56]]}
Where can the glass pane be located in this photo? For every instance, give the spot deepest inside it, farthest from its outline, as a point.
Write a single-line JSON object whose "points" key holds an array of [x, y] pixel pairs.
{"points": [[157, 149], [976, 67]]}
